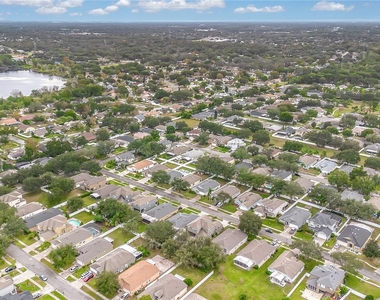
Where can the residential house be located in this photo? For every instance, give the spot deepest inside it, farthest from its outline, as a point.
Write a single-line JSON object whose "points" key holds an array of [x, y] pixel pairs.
{"points": [[204, 226], [161, 129], [262, 171], [181, 220], [89, 136], [194, 133], [120, 193], [355, 236], [159, 213], [93, 250], [286, 268], [231, 190], [273, 206], [243, 165], [140, 135], [256, 253], [53, 227], [308, 161], [282, 174], [9, 122], [235, 144], [178, 150], [168, 287], [174, 174], [230, 240], [32, 221], [158, 167], [227, 159], [305, 184], [203, 188], [141, 166], [295, 217], [25, 295], [116, 262], [16, 153], [76, 238], [372, 149], [192, 155], [88, 182], [192, 179], [13, 199], [138, 276], [40, 132], [219, 140], [348, 194], [248, 200], [29, 210], [324, 224], [125, 139], [326, 166], [6, 285], [325, 279], [346, 168], [144, 202], [125, 158]]}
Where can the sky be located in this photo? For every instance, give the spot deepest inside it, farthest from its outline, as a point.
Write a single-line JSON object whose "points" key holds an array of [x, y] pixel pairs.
{"points": [[188, 10]]}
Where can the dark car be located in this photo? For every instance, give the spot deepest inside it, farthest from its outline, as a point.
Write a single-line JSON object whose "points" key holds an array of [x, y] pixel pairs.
{"points": [[10, 268], [292, 231], [268, 230]]}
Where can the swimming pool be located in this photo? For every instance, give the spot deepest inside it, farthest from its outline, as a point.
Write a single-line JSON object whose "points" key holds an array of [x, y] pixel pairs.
{"points": [[75, 222]]}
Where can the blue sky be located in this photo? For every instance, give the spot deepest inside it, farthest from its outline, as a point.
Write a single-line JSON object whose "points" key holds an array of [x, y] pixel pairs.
{"points": [[188, 10]]}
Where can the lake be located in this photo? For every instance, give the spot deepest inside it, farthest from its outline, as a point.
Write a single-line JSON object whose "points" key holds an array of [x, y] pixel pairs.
{"points": [[25, 82]]}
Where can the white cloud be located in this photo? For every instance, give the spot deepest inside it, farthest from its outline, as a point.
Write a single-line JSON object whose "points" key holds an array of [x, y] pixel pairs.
{"points": [[98, 12], [135, 11], [55, 10], [254, 9], [123, 3], [332, 6], [70, 3], [36, 3], [111, 8], [76, 14], [200, 5]]}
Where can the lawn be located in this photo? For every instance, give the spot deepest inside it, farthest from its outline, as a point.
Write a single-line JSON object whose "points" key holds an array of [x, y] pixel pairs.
{"points": [[3, 264], [221, 149], [119, 150], [47, 297], [117, 182], [330, 243], [185, 169], [171, 165], [88, 201], [77, 273], [70, 279], [39, 281], [42, 197], [298, 292], [220, 180], [229, 207], [230, 281], [361, 286], [25, 239], [43, 246], [50, 265], [92, 283], [188, 194], [190, 122], [273, 223], [84, 217], [194, 274], [120, 237], [90, 293], [27, 285], [304, 236]]}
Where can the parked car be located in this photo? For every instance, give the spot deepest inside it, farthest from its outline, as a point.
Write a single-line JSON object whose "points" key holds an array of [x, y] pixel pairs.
{"points": [[37, 295], [268, 230], [85, 274], [125, 296], [43, 278], [73, 268], [89, 277], [10, 268], [292, 231]]}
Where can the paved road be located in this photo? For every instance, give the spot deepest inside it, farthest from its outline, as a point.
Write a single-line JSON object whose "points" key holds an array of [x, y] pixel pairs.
{"points": [[181, 200], [55, 280]]}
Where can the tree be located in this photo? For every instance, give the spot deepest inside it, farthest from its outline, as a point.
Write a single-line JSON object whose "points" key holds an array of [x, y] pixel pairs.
{"points": [[338, 178], [369, 297], [278, 185], [74, 204], [285, 117], [348, 261], [292, 146], [372, 249], [115, 212], [243, 133], [63, 256], [293, 189], [107, 283], [4, 244], [105, 147], [240, 154], [14, 226], [324, 195], [161, 177], [102, 135], [145, 297], [91, 166], [215, 166], [32, 184], [309, 250], [158, 233], [320, 137], [363, 184], [372, 162], [253, 150], [261, 137], [250, 223], [200, 252], [65, 184], [202, 138], [349, 156], [180, 184], [56, 147], [358, 172]]}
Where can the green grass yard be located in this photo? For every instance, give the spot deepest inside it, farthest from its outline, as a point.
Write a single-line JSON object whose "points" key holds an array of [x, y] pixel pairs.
{"points": [[25, 239], [194, 274], [361, 286], [39, 281], [42, 197], [27, 285], [120, 237], [70, 279], [274, 223], [304, 235], [84, 217], [171, 165], [47, 297], [90, 293], [230, 281], [221, 149]]}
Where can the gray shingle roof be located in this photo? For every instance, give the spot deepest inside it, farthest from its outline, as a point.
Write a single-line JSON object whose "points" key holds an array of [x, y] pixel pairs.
{"points": [[327, 276], [181, 220], [296, 216], [42, 216], [357, 234]]}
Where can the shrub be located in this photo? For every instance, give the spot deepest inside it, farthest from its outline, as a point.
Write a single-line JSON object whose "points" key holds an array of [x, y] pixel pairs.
{"points": [[188, 282]]}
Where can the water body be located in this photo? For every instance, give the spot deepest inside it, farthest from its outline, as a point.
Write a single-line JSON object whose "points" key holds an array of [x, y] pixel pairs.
{"points": [[25, 82]]}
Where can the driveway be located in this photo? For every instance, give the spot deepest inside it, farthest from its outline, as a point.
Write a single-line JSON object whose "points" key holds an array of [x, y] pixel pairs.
{"points": [[55, 280]]}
